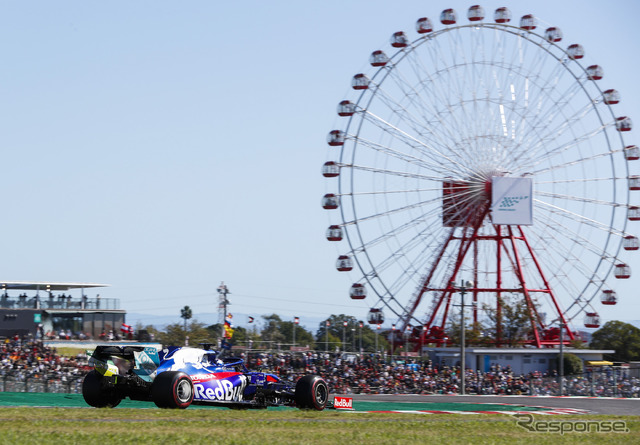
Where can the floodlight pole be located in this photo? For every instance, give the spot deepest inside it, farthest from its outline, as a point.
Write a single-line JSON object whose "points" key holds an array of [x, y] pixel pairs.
{"points": [[296, 320], [326, 337], [344, 336], [463, 290]]}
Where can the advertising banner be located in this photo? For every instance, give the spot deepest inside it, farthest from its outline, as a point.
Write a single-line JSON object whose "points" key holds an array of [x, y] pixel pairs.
{"points": [[512, 201]]}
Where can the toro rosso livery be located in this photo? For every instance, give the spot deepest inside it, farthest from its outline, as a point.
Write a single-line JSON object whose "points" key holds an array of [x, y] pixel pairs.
{"points": [[177, 377]]}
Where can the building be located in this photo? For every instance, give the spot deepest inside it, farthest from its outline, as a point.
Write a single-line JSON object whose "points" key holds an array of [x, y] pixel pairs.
{"points": [[521, 360], [49, 309]]}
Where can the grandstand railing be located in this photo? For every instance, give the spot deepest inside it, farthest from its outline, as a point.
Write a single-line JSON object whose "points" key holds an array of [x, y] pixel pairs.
{"points": [[66, 385]]}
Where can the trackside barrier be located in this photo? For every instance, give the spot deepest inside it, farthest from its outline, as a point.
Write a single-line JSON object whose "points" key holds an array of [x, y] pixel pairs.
{"points": [[64, 385], [353, 377]]}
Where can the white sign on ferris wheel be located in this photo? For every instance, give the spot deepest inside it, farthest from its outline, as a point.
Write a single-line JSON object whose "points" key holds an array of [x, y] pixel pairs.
{"points": [[511, 201]]}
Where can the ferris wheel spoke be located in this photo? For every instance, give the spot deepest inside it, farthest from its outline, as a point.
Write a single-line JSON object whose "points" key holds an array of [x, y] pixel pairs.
{"points": [[562, 166], [412, 142], [542, 134], [576, 216], [548, 89], [563, 245], [421, 125], [532, 82], [409, 159], [428, 84], [394, 232], [568, 277], [559, 262], [407, 192], [545, 149], [401, 254], [581, 180], [552, 101], [402, 135], [413, 96], [549, 124], [551, 152], [461, 82], [398, 173], [551, 224], [574, 198], [394, 210]]}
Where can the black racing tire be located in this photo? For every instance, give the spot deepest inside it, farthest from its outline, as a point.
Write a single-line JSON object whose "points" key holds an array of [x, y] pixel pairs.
{"points": [[312, 392], [97, 396], [172, 389]]}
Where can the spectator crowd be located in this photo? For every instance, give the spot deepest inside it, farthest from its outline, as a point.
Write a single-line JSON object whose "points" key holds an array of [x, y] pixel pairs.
{"points": [[27, 365], [370, 374], [28, 360]]}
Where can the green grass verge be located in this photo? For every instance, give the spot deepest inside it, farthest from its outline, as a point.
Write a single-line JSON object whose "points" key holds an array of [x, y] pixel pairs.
{"points": [[28, 425], [71, 351], [13, 399]]}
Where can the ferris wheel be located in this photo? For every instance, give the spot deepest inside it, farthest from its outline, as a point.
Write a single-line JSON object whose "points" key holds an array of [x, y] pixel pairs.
{"points": [[489, 152]]}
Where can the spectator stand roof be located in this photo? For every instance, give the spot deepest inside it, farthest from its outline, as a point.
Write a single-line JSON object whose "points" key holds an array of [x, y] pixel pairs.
{"points": [[46, 286]]}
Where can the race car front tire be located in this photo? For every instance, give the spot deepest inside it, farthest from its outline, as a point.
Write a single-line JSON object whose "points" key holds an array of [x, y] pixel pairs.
{"points": [[96, 395], [312, 392], [172, 389]]}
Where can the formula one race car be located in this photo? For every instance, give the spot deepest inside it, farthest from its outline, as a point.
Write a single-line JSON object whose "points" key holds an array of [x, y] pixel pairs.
{"points": [[177, 377]]}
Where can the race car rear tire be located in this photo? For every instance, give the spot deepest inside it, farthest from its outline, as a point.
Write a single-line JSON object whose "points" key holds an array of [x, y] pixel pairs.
{"points": [[97, 396], [312, 392], [172, 389]]}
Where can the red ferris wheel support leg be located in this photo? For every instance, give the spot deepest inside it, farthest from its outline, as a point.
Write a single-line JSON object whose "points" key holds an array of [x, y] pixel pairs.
{"points": [[424, 287], [533, 315], [466, 241], [561, 316]]}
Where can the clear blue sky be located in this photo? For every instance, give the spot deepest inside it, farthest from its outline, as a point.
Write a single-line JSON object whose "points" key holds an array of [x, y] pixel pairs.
{"points": [[163, 147]]}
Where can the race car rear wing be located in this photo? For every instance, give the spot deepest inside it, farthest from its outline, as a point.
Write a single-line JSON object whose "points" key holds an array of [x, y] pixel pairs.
{"points": [[143, 361], [106, 352]]}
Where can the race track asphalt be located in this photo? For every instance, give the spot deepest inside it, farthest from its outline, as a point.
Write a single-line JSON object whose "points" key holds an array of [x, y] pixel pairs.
{"points": [[471, 404], [594, 405]]}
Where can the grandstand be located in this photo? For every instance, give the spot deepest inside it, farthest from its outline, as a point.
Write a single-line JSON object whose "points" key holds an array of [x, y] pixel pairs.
{"points": [[45, 309]]}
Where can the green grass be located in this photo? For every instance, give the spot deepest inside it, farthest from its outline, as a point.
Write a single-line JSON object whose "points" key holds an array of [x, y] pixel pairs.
{"points": [[71, 351], [214, 426]]}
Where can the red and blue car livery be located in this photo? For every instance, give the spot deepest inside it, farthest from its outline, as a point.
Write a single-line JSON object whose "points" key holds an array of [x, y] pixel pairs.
{"points": [[177, 377]]}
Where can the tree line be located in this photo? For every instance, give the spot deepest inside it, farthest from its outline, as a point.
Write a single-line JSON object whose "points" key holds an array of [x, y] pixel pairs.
{"points": [[338, 332], [345, 333]]}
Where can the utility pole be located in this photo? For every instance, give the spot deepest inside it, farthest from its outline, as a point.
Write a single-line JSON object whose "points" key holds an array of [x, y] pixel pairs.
{"points": [[223, 291]]}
